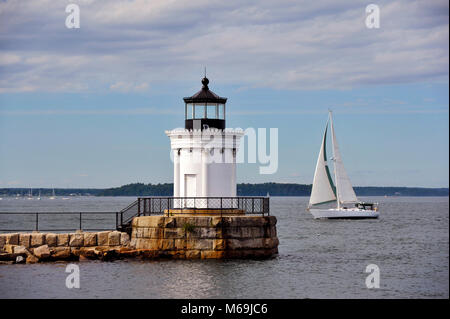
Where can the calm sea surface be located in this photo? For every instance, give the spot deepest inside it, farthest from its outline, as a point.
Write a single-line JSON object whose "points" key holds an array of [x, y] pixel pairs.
{"points": [[318, 259]]}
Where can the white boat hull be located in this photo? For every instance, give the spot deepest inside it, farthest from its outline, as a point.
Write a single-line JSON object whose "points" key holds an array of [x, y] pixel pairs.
{"points": [[349, 213]]}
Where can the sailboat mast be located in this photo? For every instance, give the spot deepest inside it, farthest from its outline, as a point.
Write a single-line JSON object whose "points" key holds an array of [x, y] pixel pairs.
{"points": [[334, 161]]}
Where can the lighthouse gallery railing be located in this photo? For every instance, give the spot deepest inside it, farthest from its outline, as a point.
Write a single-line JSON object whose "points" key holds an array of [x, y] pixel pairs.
{"points": [[189, 205]]}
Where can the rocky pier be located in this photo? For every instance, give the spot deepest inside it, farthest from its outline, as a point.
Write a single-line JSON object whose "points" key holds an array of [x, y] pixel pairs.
{"points": [[152, 237]]}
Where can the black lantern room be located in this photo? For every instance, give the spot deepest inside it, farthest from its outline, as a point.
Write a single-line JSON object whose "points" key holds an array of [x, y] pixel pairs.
{"points": [[204, 109]]}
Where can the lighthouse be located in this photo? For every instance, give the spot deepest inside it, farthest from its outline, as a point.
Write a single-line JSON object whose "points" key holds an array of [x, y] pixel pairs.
{"points": [[204, 152], [204, 218]]}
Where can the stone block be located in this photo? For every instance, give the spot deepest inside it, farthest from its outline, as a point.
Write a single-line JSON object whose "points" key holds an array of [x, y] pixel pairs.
{"points": [[180, 244], [60, 253], [147, 243], [174, 233], [199, 244], [212, 254], [210, 232], [51, 240], [25, 240], [124, 239], [272, 220], [62, 240], [249, 243], [193, 254], [20, 250], [76, 240], [9, 248], [2, 240], [149, 221], [167, 244], [102, 238], [31, 259], [37, 239], [12, 239], [271, 242], [42, 252], [219, 244], [89, 252], [90, 239], [114, 238]]}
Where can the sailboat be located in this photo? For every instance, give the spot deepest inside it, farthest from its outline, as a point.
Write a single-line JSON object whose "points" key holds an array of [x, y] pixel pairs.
{"points": [[39, 197], [30, 194], [324, 190], [53, 195]]}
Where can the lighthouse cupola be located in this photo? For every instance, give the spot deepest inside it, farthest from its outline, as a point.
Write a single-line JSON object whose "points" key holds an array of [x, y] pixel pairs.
{"points": [[205, 109]]}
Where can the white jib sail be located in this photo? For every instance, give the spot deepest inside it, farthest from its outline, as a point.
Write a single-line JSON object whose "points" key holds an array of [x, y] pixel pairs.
{"points": [[322, 189], [345, 192]]}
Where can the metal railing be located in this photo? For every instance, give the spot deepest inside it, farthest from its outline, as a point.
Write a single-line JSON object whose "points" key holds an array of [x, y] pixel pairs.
{"points": [[57, 219], [143, 206], [220, 205]]}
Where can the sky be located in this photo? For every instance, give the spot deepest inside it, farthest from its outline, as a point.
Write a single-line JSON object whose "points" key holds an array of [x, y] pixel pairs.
{"points": [[88, 106]]}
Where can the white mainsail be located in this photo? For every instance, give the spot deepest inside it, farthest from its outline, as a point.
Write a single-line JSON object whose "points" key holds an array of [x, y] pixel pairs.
{"points": [[345, 192], [322, 189]]}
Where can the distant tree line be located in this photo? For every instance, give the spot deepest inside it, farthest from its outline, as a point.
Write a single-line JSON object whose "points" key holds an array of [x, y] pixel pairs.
{"points": [[244, 189]]}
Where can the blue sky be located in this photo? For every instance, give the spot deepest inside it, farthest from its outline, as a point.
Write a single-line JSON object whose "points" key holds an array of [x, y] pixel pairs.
{"points": [[88, 107]]}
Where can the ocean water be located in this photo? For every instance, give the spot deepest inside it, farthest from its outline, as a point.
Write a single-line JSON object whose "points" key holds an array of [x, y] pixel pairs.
{"points": [[317, 258]]}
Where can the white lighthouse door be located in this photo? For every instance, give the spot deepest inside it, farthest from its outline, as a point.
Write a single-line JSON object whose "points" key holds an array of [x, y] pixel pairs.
{"points": [[190, 189]]}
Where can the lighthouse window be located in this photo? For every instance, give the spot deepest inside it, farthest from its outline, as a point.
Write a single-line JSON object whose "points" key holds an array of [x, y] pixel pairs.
{"points": [[189, 111], [221, 111], [200, 111], [211, 110]]}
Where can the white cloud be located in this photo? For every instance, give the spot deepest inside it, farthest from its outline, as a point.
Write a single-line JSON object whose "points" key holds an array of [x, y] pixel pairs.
{"points": [[281, 44]]}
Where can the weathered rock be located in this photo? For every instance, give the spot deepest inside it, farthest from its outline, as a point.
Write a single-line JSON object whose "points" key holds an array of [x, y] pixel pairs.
{"points": [[20, 250], [12, 239], [25, 240], [114, 238], [102, 238], [51, 239], [42, 252], [62, 240], [9, 248], [174, 233], [90, 239], [76, 240], [124, 239], [75, 252], [2, 240], [89, 252], [32, 259], [199, 244], [37, 239], [60, 253], [212, 254], [193, 254]]}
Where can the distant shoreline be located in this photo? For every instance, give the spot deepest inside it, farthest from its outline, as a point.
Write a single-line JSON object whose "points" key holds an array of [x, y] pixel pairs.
{"points": [[243, 189]]}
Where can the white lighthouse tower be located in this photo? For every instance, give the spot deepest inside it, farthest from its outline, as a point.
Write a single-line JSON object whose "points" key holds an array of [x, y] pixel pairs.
{"points": [[204, 152]]}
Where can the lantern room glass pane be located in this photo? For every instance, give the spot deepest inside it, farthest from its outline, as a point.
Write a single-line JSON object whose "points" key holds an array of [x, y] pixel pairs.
{"points": [[199, 111], [221, 111], [211, 110], [189, 111]]}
